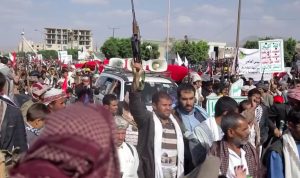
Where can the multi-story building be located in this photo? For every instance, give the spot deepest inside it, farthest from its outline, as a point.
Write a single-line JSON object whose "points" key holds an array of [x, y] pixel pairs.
{"points": [[30, 46], [62, 39]]}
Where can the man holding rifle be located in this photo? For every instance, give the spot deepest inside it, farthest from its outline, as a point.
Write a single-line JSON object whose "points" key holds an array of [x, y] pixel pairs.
{"points": [[160, 143]]}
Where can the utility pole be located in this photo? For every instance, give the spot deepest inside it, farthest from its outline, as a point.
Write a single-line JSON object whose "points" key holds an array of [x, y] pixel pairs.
{"points": [[237, 45], [168, 29], [113, 29], [22, 38]]}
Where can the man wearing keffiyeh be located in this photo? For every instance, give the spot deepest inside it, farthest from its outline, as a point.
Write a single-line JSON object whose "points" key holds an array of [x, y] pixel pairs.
{"points": [[234, 149], [78, 142], [262, 116], [294, 98]]}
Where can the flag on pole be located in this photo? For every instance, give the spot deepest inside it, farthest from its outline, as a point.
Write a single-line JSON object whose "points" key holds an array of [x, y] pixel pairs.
{"points": [[186, 62], [178, 60], [13, 58], [208, 69]]}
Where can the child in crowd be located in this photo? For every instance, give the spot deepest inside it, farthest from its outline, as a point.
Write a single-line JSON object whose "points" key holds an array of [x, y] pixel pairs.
{"points": [[35, 121]]}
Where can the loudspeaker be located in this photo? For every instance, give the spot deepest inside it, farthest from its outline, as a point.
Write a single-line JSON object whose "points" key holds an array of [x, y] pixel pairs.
{"points": [[157, 65], [116, 63], [129, 64]]}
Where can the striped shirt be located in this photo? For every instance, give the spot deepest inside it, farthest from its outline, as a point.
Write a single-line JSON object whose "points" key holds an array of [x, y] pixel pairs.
{"points": [[131, 135], [169, 151]]}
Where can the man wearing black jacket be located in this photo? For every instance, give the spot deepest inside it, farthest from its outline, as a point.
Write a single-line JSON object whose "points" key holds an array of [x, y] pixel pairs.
{"points": [[160, 143], [12, 134]]}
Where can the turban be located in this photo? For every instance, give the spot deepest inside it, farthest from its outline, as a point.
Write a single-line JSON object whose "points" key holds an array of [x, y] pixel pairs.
{"points": [[76, 142]]}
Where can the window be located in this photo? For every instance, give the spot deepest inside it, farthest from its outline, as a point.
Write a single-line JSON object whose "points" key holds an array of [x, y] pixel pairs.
{"points": [[108, 85], [151, 88], [101, 85]]}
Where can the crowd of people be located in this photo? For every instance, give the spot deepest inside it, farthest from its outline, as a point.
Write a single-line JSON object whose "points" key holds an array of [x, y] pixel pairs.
{"points": [[48, 114]]}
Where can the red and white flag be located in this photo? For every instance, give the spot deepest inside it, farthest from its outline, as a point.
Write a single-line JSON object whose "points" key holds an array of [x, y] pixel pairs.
{"points": [[13, 58]]}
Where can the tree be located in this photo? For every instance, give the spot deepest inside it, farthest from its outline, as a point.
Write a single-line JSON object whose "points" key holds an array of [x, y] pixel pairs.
{"points": [[110, 48], [251, 44], [73, 52], [289, 47], [49, 54], [124, 48], [149, 51], [289, 50], [121, 47], [193, 51]]}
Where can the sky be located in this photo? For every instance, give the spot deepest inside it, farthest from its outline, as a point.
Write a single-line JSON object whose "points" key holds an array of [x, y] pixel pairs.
{"points": [[209, 20]]}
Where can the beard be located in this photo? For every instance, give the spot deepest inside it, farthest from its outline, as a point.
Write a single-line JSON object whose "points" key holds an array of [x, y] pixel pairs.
{"points": [[240, 142], [162, 116]]}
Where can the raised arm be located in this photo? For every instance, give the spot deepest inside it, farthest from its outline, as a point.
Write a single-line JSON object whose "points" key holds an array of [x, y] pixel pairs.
{"points": [[137, 107]]}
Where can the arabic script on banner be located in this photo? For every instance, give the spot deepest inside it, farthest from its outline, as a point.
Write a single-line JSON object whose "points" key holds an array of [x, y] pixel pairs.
{"points": [[271, 56]]}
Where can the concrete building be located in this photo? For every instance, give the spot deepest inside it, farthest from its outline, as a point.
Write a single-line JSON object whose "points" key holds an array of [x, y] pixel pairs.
{"points": [[63, 39], [30, 46], [216, 50], [59, 39]]}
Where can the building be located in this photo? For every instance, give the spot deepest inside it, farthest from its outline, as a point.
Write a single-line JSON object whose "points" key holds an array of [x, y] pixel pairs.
{"points": [[30, 46], [63, 39], [216, 50]]}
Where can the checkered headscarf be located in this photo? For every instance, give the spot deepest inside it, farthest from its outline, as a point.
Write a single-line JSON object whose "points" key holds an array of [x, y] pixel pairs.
{"points": [[76, 142], [294, 93]]}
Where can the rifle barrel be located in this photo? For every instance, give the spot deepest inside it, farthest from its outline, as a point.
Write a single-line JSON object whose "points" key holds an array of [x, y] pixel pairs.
{"points": [[133, 11]]}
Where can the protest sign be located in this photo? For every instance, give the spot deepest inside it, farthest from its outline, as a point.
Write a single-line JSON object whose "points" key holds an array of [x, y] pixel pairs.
{"points": [[271, 56], [69, 60], [249, 64], [63, 56], [211, 103], [249, 61]]}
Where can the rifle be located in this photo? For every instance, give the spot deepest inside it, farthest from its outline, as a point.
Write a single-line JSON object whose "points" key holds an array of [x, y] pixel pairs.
{"points": [[136, 38], [136, 52], [186, 40]]}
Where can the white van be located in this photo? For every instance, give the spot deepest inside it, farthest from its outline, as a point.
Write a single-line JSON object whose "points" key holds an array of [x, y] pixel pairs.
{"points": [[122, 81]]}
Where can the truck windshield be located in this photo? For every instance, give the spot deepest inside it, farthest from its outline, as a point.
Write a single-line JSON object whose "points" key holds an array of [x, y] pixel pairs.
{"points": [[152, 87]]}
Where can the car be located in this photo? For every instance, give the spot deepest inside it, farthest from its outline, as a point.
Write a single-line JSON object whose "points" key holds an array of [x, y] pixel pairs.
{"points": [[119, 81]]}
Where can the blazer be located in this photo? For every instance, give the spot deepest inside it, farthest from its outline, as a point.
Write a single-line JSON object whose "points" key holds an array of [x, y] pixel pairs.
{"points": [[145, 124], [13, 132]]}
